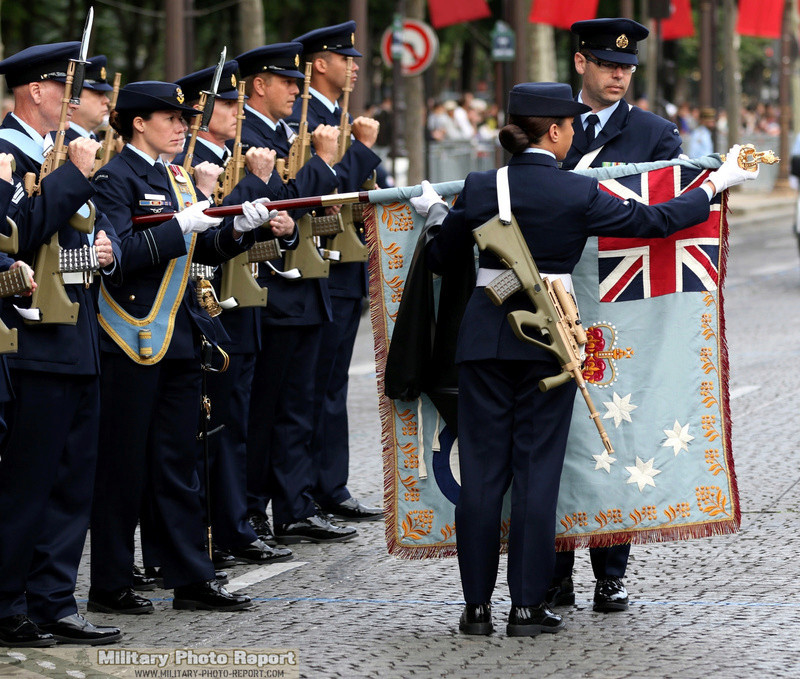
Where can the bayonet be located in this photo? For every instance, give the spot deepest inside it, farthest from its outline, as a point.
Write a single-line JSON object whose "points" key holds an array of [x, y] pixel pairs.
{"points": [[211, 95], [81, 62]]}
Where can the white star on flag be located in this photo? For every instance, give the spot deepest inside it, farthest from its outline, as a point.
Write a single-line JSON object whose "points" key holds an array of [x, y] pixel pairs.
{"points": [[619, 409], [604, 461], [643, 473], [678, 437]]}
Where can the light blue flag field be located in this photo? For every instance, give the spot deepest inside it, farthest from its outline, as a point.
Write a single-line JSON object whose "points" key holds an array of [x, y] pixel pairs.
{"points": [[656, 367]]}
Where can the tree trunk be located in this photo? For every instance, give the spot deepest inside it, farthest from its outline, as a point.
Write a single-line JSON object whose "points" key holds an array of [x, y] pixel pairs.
{"points": [[251, 24]]}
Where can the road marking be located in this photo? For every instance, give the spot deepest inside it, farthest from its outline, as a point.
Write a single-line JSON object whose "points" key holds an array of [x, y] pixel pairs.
{"points": [[263, 573], [743, 391], [362, 369]]}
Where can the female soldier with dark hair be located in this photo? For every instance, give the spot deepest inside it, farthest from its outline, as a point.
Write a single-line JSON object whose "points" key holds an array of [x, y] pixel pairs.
{"points": [[153, 326], [509, 432]]}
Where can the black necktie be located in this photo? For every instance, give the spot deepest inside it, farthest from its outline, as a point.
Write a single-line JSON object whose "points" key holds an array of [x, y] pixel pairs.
{"points": [[591, 121]]}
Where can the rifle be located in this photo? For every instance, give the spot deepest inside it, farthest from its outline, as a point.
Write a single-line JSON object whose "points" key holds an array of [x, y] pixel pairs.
{"points": [[556, 316], [347, 242], [200, 123], [109, 144], [306, 257], [12, 282], [238, 277], [50, 298]]}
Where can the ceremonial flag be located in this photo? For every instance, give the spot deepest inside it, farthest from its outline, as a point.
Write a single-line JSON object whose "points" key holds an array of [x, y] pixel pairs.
{"points": [[760, 18], [446, 12], [656, 367], [680, 24], [562, 14]]}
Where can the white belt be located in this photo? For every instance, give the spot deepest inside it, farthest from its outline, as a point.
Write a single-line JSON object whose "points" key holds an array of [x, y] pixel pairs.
{"points": [[486, 276]]}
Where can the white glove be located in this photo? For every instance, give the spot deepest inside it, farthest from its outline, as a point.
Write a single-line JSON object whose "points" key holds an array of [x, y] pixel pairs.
{"points": [[192, 219], [254, 214], [729, 173], [422, 204]]}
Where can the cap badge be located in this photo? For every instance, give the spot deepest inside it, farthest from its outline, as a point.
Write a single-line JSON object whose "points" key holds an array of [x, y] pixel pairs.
{"points": [[233, 79], [179, 95], [102, 73], [297, 61], [622, 41], [352, 39]]}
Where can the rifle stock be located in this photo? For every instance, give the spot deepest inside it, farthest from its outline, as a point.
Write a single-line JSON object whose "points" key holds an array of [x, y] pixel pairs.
{"points": [[555, 317], [347, 243], [238, 278], [50, 297]]}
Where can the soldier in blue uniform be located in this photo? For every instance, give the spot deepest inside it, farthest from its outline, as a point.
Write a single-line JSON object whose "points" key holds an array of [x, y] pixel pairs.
{"points": [[614, 132], [280, 467], [509, 431], [47, 472], [153, 326], [229, 391], [328, 49], [94, 101]]}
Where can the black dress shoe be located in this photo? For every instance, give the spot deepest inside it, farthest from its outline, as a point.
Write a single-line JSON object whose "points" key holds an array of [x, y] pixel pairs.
{"points": [[314, 529], [528, 621], [123, 600], [352, 510], [261, 552], [260, 524], [476, 619], [208, 596], [155, 573], [141, 583], [222, 559], [75, 629], [20, 631], [610, 595], [560, 593]]}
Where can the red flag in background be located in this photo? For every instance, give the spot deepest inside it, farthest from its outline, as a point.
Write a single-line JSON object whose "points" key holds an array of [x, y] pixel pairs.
{"points": [[448, 12], [560, 13], [761, 18], [680, 24]]}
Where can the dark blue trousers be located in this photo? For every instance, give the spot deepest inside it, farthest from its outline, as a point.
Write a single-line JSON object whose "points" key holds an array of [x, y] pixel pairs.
{"points": [[279, 463], [331, 445], [46, 479], [148, 430], [509, 433], [607, 562], [229, 393]]}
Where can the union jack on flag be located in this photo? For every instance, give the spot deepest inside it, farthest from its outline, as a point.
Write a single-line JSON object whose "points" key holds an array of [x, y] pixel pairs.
{"points": [[640, 268]]}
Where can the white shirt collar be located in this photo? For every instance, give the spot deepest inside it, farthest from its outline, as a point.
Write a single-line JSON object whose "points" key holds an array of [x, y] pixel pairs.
{"points": [[330, 105], [145, 156], [542, 151], [258, 114], [33, 134], [603, 115]]}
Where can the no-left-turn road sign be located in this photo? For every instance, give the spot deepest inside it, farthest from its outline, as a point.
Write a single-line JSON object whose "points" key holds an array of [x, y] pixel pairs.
{"points": [[420, 45]]}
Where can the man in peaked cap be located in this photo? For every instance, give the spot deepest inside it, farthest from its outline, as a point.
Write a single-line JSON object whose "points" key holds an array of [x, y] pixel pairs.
{"points": [[327, 49], [47, 472], [612, 133], [279, 463], [229, 391], [93, 108]]}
